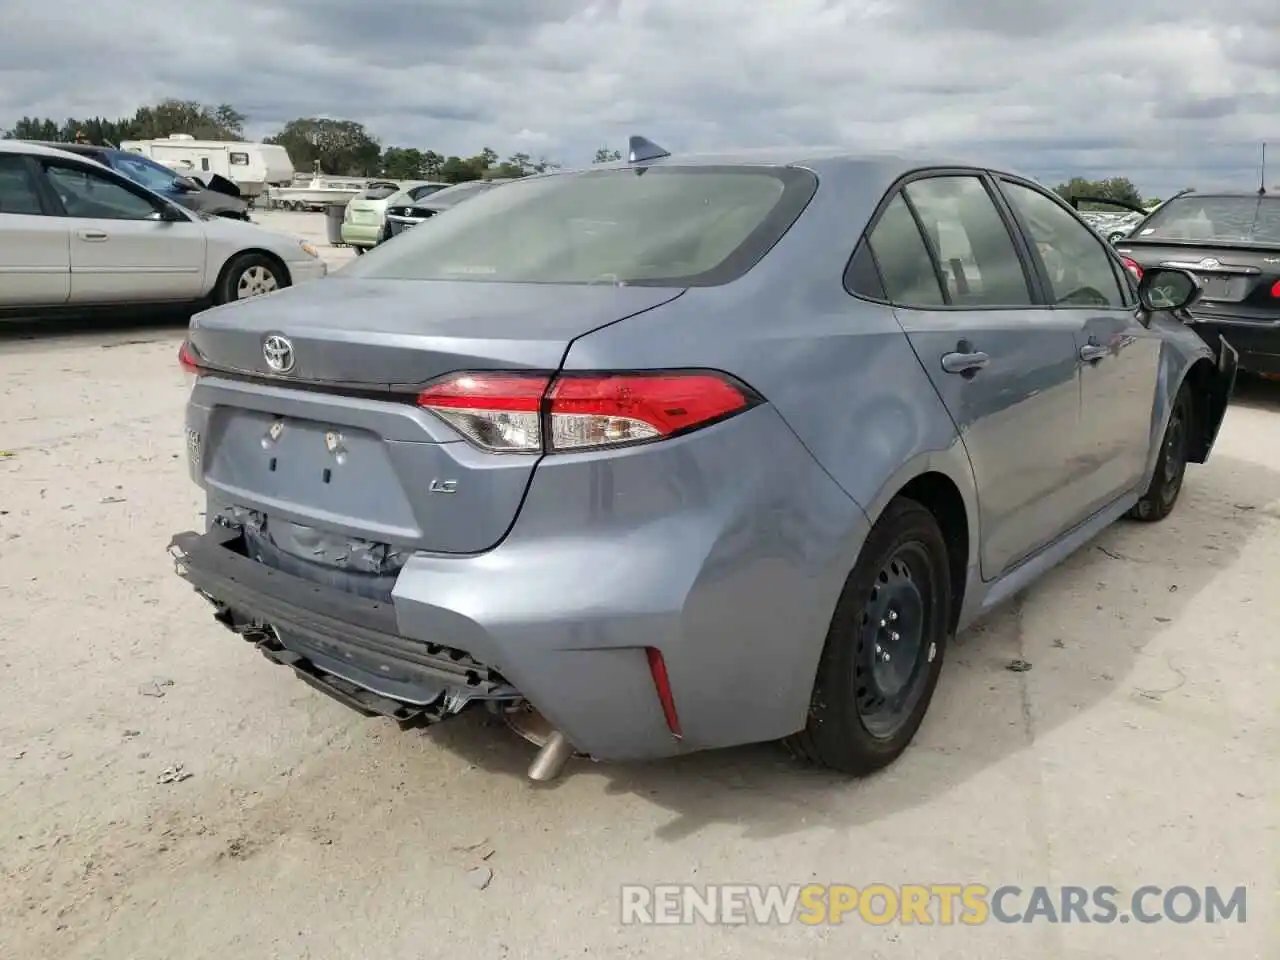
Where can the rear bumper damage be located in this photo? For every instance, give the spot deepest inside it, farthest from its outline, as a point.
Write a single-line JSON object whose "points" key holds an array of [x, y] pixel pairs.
{"points": [[724, 570]]}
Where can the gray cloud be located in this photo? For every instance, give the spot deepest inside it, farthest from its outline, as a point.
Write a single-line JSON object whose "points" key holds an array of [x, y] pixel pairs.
{"points": [[1168, 93]]}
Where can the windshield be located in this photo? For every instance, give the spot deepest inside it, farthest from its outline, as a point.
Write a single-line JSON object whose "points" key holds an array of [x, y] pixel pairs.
{"points": [[658, 226], [1216, 219], [152, 175]]}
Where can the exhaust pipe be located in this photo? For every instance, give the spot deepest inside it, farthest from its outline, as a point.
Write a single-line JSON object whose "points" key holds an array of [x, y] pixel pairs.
{"points": [[552, 758], [554, 749]]}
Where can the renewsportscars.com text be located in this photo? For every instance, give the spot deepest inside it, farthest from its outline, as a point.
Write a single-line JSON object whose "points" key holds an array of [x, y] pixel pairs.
{"points": [[928, 904]]}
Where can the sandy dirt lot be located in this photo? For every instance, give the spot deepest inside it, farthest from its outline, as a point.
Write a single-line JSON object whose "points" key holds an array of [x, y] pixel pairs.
{"points": [[167, 793]]}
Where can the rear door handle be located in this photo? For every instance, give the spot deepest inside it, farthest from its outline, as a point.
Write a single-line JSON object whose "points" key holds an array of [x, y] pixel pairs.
{"points": [[94, 236], [1093, 352], [964, 362]]}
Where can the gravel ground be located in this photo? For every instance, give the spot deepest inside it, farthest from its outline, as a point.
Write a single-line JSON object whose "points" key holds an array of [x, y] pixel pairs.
{"points": [[168, 793]]}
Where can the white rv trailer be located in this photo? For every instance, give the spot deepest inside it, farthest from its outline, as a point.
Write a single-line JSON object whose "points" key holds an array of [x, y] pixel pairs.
{"points": [[253, 167]]}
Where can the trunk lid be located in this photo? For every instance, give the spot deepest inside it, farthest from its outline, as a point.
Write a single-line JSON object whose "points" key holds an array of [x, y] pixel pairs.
{"points": [[1237, 279], [336, 446]]}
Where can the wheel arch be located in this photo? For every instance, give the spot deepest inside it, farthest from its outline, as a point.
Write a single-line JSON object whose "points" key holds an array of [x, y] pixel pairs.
{"points": [[1200, 378], [227, 264], [953, 502]]}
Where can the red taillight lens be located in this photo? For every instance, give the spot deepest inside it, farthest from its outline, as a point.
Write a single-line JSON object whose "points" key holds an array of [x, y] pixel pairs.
{"points": [[189, 360], [1132, 266], [602, 411], [662, 683], [507, 412], [1275, 290], [497, 412]]}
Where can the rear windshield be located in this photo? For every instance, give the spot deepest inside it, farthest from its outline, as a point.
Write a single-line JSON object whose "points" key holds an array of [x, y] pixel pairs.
{"points": [[1216, 219], [655, 226]]}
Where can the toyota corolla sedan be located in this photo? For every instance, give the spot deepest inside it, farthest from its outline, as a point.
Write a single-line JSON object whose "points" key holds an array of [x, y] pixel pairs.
{"points": [[684, 452], [76, 236]]}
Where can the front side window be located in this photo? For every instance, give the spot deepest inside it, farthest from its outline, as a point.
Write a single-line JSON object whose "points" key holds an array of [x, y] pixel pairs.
{"points": [[975, 252], [1078, 267], [1216, 220], [85, 193], [653, 226], [905, 265], [17, 191]]}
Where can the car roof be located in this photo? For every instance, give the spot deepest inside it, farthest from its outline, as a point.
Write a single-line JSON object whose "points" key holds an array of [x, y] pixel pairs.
{"points": [[37, 149], [820, 158], [1223, 195]]}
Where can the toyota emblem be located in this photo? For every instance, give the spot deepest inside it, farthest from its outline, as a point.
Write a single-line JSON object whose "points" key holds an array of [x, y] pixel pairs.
{"points": [[1209, 263], [278, 352]]}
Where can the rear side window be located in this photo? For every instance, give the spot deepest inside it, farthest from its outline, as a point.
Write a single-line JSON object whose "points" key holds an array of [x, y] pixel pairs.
{"points": [[905, 264], [974, 250], [654, 226], [239, 159], [17, 190], [1076, 264]]}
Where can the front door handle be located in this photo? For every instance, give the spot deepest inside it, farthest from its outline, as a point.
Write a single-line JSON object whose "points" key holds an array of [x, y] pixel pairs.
{"points": [[1093, 352], [966, 361], [93, 236]]}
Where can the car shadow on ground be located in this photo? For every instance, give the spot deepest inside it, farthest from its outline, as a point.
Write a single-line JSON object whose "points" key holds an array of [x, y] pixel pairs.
{"points": [[1082, 628], [128, 327]]}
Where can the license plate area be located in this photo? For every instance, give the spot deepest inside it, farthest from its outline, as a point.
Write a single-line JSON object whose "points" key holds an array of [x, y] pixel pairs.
{"points": [[363, 216], [1224, 288], [307, 469]]}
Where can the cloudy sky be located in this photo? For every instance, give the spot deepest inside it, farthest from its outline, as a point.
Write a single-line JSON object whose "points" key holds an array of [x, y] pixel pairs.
{"points": [[1171, 93]]}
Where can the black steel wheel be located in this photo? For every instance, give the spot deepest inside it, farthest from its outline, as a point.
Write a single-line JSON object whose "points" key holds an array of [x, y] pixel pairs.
{"points": [[1171, 465], [885, 647]]}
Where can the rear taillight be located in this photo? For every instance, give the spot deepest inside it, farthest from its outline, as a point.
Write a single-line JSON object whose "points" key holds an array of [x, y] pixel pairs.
{"points": [[1132, 266], [189, 360], [1275, 290], [513, 413]]}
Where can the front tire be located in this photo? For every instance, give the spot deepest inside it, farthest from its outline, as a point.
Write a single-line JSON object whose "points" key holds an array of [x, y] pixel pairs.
{"points": [[884, 649], [1171, 466], [250, 275]]}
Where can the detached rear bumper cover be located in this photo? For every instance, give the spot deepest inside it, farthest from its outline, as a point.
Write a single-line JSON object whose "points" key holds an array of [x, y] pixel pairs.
{"points": [[351, 637]]}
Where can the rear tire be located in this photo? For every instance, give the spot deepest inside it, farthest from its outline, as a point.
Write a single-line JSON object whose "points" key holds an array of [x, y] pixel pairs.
{"points": [[884, 649], [1171, 466], [250, 275]]}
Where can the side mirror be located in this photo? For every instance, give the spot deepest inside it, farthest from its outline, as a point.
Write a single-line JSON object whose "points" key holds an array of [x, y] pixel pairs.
{"points": [[1164, 288], [167, 214]]}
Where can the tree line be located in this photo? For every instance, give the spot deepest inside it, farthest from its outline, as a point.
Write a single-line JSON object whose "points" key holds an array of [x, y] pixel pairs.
{"points": [[335, 147], [346, 148]]}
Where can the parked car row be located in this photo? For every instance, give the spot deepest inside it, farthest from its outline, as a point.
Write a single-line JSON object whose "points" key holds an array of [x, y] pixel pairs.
{"points": [[364, 218], [680, 453], [1230, 241], [78, 234]]}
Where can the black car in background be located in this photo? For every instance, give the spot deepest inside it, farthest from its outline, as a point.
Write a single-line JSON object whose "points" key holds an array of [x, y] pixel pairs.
{"points": [[1231, 242], [225, 201], [401, 218]]}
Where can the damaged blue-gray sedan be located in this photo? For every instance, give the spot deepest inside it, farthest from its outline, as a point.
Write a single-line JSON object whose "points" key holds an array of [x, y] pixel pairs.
{"points": [[678, 453]]}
